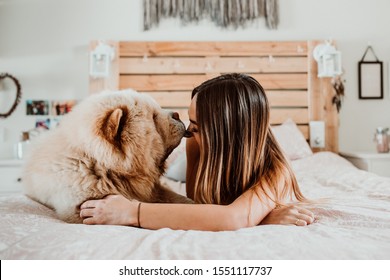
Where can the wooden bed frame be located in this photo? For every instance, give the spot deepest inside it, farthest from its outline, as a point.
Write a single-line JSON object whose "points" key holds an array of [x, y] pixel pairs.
{"points": [[169, 71]]}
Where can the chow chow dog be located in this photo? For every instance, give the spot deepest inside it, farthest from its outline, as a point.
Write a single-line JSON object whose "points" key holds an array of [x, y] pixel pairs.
{"points": [[111, 143]]}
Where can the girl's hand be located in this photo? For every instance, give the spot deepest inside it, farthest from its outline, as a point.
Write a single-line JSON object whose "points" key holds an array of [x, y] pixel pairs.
{"points": [[111, 210], [289, 215]]}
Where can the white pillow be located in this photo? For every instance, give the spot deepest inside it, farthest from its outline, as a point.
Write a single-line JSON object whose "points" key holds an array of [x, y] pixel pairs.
{"points": [[177, 169], [177, 163], [291, 140]]}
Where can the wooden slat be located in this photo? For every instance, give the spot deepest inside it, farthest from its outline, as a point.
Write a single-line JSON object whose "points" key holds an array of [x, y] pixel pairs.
{"points": [[299, 115], [294, 48], [171, 99], [282, 81], [161, 82], [188, 82], [182, 65], [286, 98]]}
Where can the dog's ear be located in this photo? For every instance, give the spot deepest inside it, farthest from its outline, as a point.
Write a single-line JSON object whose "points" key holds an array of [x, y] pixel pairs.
{"points": [[113, 125]]}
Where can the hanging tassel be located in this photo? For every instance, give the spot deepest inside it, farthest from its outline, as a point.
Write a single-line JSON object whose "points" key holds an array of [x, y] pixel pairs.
{"points": [[261, 7], [173, 12], [185, 13], [166, 9], [222, 10], [271, 13], [150, 13], [180, 8], [159, 4], [244, 11], [147, 10], [235, 14]]}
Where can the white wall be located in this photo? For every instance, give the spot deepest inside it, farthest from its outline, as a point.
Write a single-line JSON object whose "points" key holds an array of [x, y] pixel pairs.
{"points": [[45, 44]]}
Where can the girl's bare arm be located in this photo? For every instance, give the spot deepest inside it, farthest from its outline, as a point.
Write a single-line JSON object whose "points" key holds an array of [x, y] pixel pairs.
{"points": [[245, 211]]}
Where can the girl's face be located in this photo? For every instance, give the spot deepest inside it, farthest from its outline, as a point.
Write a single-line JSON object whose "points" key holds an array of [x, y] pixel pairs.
{"points": [[193, 127]]}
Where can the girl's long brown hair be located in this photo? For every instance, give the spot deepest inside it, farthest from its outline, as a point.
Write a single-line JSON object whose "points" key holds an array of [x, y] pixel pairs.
{"points": [[239, 151]]}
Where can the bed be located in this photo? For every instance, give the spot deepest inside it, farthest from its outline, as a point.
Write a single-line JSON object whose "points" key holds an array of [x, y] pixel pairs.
{"points": [[352, 206], [353, 224]]}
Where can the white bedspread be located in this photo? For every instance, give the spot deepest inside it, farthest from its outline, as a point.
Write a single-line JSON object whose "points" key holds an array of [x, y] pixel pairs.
{"points": [[353, 224]]}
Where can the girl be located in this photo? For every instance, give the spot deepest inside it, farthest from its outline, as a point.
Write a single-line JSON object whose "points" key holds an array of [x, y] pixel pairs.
{"points": [[236, 171]]}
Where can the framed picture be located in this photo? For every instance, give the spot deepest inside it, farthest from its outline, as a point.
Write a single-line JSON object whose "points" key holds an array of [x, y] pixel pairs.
{"points": [[370, 80], [37, 107], [62, 107]]}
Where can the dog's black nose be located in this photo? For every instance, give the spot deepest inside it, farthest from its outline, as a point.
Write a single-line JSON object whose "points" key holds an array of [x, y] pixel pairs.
{"points": [[188, 134], [175, 115]]}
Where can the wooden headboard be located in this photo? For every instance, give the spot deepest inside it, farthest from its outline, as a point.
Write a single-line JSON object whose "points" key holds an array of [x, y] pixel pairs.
{"points": [[169, 71]]}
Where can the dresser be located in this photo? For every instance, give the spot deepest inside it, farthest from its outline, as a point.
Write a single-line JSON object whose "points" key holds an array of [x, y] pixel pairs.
{"points": [[10, 176], [378, 163]]}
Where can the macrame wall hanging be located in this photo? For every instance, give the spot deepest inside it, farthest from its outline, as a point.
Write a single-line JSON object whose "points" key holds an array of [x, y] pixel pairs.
{"points": [[224, 13]]}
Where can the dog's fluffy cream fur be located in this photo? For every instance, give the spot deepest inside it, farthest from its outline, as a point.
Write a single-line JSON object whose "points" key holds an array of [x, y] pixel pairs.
{"points": [[111, 143]]}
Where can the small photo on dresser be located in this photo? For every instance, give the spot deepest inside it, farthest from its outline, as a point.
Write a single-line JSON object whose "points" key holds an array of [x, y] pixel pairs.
{"points": [[37, 107], [42, 123], [62, 107]]}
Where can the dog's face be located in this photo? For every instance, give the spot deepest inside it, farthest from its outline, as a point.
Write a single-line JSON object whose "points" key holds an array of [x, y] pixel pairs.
{"points": [[127, 132]]}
